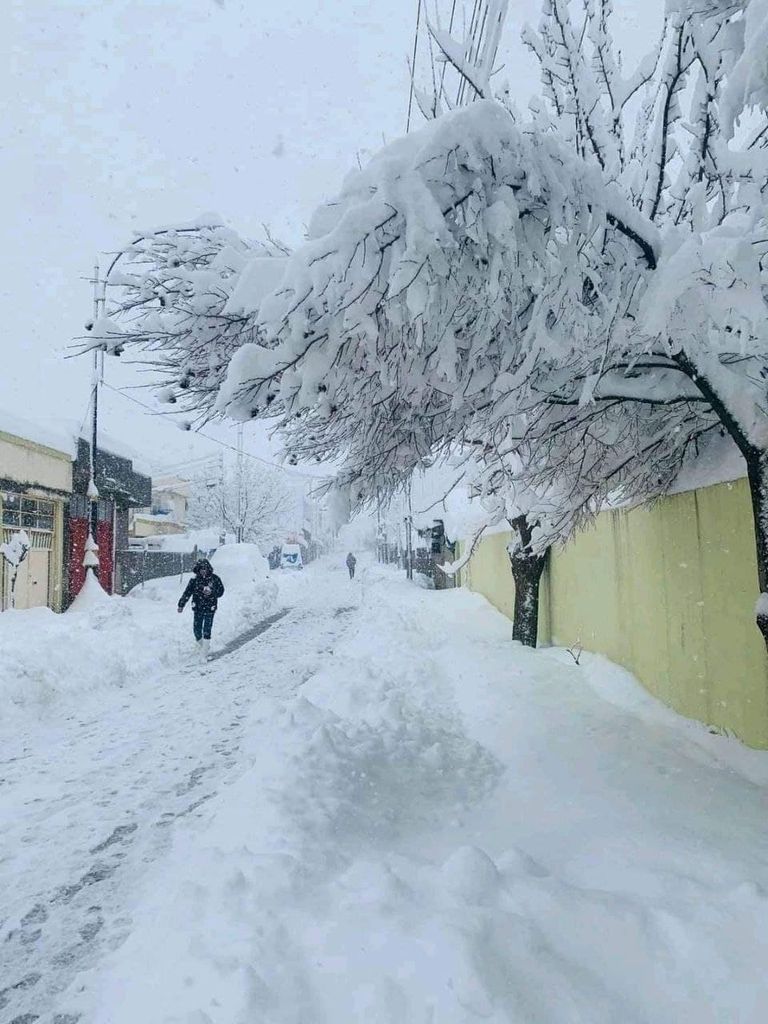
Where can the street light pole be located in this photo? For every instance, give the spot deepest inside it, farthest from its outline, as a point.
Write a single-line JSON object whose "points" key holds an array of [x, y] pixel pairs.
{"points": [[91, 555], [223, 500], [409, 536], [239, 534]]}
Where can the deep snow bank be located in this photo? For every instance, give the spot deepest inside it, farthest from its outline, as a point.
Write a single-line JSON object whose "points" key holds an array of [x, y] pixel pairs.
{"points": [[446, 827], [107, 642]]}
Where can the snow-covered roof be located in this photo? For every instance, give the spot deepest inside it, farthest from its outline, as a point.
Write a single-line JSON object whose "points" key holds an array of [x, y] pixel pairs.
{"points": [[61, 434], [170, 485], [51, 434], [156, 517]]}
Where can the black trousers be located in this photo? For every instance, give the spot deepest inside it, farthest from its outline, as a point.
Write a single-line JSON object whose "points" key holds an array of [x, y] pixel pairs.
{"points": [[202, 624], [351, 571]]}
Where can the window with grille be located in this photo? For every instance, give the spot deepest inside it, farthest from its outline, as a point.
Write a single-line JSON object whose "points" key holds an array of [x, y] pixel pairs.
{"points": [[24, 513]]}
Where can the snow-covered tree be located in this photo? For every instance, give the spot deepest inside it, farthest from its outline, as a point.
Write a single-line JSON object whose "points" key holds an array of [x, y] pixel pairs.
{"points": [[578, 293], [267, 504], [180, 293], [14, 552]]}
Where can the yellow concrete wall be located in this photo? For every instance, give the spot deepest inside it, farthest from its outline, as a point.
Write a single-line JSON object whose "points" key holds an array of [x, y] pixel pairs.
{"points": [[667, 591], [28, 462]]}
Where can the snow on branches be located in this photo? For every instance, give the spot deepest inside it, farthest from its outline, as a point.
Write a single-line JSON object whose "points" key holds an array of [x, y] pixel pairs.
{"points": [[179, 293], [577, 299]]}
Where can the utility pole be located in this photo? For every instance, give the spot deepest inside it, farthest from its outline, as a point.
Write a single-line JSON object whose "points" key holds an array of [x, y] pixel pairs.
{"points": [[378, 526], [223, 500], [239, 533], [409, 536], [91, 555]]}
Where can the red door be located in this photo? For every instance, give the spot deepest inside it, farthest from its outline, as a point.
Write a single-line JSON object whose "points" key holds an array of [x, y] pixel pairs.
{"points": [[78, 532], [79, 528]]}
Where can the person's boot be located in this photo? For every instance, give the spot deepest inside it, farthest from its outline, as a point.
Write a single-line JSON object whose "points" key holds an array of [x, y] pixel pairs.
{"points": [[206, 646]]}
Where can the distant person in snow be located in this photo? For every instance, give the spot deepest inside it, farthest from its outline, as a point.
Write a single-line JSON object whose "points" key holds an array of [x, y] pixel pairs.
{"points": [[205, 588], [351, 563]]}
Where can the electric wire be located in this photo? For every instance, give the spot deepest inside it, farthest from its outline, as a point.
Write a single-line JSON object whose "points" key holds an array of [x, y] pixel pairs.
{"points": [[215, 440]]}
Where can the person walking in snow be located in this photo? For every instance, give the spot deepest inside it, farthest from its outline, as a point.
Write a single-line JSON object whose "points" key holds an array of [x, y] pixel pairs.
{"points": [[351, 563], [205, 588]]}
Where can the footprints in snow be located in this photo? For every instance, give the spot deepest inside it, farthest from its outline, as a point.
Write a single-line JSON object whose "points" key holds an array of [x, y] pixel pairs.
{"points": [[65, 930], [26, 982], [118, 835]]}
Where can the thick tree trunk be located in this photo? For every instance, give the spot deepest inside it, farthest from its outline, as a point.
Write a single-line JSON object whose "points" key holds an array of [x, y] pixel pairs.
{"points": [[757, 473], [526, 572], [527, 569]]}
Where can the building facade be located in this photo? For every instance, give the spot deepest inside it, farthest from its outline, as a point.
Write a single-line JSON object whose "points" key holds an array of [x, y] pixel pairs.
{"points": [[35, 489], [121, 488], [167, 513]]}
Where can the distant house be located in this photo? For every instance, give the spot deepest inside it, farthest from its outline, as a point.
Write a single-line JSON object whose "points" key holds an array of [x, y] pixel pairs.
{"points": [[35, 490], [167, 513]]}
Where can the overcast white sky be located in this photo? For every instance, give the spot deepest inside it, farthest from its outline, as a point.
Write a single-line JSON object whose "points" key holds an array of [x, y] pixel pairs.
{"points": [[122, 114]]}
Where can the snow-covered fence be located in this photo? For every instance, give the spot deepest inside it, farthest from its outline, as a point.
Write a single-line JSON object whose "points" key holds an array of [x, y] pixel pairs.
{"points": [[134, 567]]}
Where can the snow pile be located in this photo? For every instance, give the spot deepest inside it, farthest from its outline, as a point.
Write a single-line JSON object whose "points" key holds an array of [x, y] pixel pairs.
{"points": [[444, 826], [102, 643], [92, 594], [107, 641], [250, 592]]}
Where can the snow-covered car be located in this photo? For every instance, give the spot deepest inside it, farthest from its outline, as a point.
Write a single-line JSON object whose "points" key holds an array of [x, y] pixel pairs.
{"points": [[291, 557]]}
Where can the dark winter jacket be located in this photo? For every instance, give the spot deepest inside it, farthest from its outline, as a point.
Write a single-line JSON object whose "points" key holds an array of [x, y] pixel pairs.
{"points": [[195, 589], [351, 561]]}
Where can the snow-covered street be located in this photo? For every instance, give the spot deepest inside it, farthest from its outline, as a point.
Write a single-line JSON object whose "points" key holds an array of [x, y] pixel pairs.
{"points": [[380, 809], [383, 478], [93, 788]]}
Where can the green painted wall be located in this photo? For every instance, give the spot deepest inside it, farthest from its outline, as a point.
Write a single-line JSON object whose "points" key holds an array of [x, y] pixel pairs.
{"points": [[667, 591]]}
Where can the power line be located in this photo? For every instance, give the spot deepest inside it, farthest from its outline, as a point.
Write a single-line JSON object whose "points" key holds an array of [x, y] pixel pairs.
{"points": [[182, 464], [85, 417], [215, 440], [413, 66]]}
